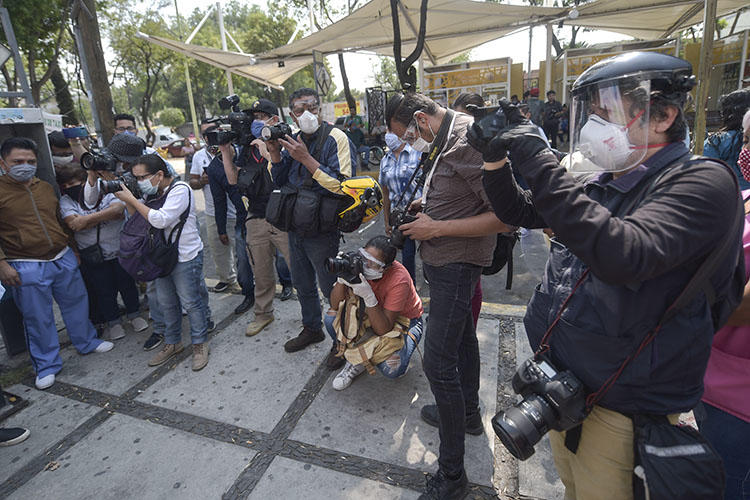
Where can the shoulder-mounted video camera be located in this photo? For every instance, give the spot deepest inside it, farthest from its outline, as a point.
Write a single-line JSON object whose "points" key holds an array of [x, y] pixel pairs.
{"points": [[232, 128]]}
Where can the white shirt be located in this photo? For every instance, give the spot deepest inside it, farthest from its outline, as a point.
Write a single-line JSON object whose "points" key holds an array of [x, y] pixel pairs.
{"points": [[201, 160], [168, 216]]}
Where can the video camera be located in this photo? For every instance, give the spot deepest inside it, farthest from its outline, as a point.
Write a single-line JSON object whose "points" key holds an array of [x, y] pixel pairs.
{"points": [[234, 127], [347, 266]]}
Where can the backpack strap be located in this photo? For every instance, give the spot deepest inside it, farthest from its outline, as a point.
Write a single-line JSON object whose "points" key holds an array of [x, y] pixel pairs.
{"points": [[183, 217]]}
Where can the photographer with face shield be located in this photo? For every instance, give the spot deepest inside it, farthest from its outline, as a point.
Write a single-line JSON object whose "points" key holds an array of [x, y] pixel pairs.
{"points": [[644, 267]]}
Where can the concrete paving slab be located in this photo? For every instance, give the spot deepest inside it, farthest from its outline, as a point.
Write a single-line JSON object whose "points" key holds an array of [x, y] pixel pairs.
{"points": [[113, 372], [292, 480], [49, 418], [222, 305], [130, 458], [249, 381], [378, 418], [537, 476]]}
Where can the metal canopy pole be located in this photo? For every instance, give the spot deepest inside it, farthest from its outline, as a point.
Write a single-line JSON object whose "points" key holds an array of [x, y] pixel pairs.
{"points": [[548, 69], [743, 60], [704, 73], [223, 34], [528, 68], [191, 101], [17, 61]]}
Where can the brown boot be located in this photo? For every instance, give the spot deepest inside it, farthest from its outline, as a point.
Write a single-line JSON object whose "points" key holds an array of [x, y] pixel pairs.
{"points": [[200, 356], [306, 337], [167, 352]]}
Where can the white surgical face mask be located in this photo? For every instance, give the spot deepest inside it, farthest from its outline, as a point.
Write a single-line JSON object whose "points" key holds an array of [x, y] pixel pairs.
{"points": [[392, 141], [62, 159], [308, 122], [606, 144], [146, 187]]}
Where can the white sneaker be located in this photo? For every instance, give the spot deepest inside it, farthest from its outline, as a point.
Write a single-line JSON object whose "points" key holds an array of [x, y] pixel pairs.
{"points": [[347, 375], [45, 382], [139, 324], [114, 332], [104, 347]]}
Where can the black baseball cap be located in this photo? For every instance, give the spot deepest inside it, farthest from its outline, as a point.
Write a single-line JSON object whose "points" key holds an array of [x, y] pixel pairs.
{"points": [[263, 106], [126, 148]]}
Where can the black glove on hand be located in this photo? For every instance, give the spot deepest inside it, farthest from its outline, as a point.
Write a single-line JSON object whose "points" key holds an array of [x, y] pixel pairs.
{"points": [[492, 148], [523, 141], [512, 113]]}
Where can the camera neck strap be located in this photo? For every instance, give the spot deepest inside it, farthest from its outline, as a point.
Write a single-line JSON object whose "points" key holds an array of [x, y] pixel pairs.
{"points": [[428, 159], [700, 282]]}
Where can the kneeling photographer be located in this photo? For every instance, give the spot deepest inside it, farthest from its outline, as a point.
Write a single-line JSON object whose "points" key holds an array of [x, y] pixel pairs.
{"points": [[389, 326], [644, 267]]}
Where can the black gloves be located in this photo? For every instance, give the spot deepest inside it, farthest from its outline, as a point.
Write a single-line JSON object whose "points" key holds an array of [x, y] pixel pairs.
{"points": [[521, 137]]}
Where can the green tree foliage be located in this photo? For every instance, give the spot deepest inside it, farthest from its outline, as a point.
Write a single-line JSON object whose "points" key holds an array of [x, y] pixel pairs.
{"points": [[171, 117], [385, 74]]}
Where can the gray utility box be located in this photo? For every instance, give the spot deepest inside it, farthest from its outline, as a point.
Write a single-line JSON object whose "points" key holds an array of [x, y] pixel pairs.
{"points": [[29, 123]]}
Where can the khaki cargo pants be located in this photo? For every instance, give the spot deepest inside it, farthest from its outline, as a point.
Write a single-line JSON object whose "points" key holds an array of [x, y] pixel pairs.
{"points": [[263, 240]]}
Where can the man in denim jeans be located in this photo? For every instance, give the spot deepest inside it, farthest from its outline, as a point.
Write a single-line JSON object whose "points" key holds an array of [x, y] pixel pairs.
{"points": [[305, 162], [457, 229]]}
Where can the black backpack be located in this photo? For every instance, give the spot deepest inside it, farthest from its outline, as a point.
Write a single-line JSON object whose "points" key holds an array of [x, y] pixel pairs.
{"points": [[502, 256]]}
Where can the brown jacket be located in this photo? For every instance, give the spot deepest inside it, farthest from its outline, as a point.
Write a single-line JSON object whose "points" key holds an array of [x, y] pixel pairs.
{"points": [[29, 227]]}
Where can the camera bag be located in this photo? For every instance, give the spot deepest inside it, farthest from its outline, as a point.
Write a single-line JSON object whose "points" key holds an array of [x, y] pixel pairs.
{"points": [[280, 207], [92, 255], [502, 256], [145, 252]]}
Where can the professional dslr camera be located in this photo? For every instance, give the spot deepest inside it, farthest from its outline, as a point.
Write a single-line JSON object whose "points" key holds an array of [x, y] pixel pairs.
{"points": [[398, 217], [490, 119], [114, 186], [103, 161], [235, 127], [347, 266], [551, 400], [275, 132]]}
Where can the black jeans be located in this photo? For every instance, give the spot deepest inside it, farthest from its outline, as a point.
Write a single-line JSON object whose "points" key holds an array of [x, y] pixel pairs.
{"points": [[451, 356], [104, 281]]}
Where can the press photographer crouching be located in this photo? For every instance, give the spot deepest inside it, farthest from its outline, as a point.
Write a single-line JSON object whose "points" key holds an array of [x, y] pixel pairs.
{"points": [[389, 327], [644, 267]]}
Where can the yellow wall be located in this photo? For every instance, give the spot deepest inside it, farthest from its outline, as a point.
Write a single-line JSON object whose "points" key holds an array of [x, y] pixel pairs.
{"points": [[516, 79]]}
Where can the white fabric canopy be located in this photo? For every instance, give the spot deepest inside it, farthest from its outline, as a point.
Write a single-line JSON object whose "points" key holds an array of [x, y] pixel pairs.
{"points": [[453, 27], [268, 72], [648, 19]]}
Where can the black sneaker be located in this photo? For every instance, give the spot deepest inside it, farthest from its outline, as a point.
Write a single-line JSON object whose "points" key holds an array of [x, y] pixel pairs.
{"points": [[245, 305], [334, 362], [13, 435], [153, 342], [211, 326], [220, 287], [306, 337], [474, 425], [287, 292], [440, 487]]}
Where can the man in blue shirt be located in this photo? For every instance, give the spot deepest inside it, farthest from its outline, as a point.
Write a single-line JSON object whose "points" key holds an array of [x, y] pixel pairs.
{"points": [[306, 163]]}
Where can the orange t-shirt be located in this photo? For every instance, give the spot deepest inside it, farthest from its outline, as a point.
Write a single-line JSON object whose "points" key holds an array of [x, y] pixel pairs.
{"points": [[395, 291]]}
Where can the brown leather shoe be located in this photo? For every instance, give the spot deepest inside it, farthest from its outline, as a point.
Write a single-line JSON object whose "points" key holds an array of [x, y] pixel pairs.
{"points": [[306, 337], [167, 352], [200, 356]]}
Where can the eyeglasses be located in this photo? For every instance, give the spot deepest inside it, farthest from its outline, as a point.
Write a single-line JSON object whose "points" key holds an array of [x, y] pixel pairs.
{"points": [[309, 105], [125, 129], [143, 177]]}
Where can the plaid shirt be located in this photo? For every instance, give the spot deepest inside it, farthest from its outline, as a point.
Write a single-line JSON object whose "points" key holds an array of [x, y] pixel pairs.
{"points": [[396, 172]]}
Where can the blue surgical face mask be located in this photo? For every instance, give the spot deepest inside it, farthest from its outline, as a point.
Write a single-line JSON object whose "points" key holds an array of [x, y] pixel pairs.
{"points": [[256, 127], [146, 187], [23, 172], [392, 141]]}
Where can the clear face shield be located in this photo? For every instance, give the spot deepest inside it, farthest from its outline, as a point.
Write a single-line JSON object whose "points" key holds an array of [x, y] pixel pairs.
{"points": [[609, 124]]}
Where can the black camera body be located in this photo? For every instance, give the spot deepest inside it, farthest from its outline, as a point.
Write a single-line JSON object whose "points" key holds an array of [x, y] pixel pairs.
{"points": [[275, 132], [552, 399], [490, 119], [347, 266], [99, 161], [234, 128], [398, 217], [114, 186]]}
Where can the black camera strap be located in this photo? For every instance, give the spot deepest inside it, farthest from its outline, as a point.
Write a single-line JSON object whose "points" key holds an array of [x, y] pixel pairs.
{"points": [[427, 162]]}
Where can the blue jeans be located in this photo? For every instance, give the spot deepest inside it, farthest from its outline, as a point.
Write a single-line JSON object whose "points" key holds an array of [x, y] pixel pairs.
{"points": [[398, 362], [40, 282], [451, 356], [366, 150], [245, 276], [730, 436], [408, 258], [285, 275], [184, 286], [104, 281], [308, 259]]}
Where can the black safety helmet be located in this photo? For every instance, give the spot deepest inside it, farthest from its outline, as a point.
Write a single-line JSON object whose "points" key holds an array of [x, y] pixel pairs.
{"points": [[671, 77]]}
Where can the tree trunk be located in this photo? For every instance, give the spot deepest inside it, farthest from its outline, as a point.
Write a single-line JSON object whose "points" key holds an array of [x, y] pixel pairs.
{"points": [[63, 97], [347, 91], [12, 83], [92, 46]]}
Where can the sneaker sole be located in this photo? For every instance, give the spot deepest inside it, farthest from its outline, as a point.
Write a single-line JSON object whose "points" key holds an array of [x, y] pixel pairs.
{"points": [[436, 423], [300, 347], [161, 341], [167, 358], [17, 440]]}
